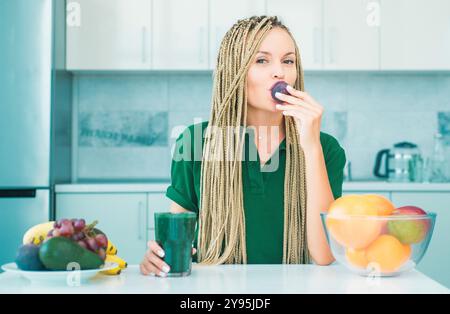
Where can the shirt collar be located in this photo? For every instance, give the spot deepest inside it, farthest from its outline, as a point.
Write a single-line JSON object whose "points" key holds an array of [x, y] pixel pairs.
{"points": [[251, 132]]}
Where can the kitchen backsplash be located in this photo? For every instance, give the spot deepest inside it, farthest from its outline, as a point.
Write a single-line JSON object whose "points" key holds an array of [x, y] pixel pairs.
{"points": [[126, 124]]}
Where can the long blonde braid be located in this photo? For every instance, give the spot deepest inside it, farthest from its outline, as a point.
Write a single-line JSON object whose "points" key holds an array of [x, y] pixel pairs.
{"points": [[221, 233]]}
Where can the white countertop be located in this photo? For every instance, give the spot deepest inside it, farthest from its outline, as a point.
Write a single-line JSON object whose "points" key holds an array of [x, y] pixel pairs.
{"points": [[383, 186], [111, 187], [157, 187], [229, 279]]}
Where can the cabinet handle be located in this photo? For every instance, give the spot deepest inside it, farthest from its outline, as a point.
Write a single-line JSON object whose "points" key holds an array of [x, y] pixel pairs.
{"points": [[200, 44], [141, 220], [144, 44], [216, 48], [331, 43], [217, 40], [316, 36]]}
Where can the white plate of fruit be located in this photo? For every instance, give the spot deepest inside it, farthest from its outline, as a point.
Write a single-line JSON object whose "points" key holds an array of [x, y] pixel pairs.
{"points": [[67, 249]]}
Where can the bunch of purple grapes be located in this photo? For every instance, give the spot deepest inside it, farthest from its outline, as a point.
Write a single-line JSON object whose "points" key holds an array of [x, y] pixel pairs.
{"points": [[78, 231]]}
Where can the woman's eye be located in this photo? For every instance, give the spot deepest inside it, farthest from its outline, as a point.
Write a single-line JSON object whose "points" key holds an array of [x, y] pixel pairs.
{"points": [[262, 60]]}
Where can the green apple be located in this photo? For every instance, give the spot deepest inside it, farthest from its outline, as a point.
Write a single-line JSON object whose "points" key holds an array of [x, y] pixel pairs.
{"points": [[409, 230]]}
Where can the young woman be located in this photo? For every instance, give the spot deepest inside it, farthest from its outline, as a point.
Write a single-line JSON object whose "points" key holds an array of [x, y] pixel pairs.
{"points": [[246, 212]]}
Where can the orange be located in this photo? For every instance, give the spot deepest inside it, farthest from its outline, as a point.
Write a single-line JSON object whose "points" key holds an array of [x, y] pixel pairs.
{"points": [[382, 204], [354, 232], [388, 253], [353, 204], [384, 208], [346, 225], [357, 258]]}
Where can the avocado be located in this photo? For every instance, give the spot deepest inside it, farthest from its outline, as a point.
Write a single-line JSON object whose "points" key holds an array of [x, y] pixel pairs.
{"points": [[58, 252], [28, 258]]}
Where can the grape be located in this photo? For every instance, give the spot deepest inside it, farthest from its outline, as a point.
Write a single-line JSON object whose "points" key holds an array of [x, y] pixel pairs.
{"points": [[79, 224], [77, 236], [101, 240], [50, 233], [66, 230], [92, 244], [82, 244], [66, 222], [56, 224], [63, 221]]}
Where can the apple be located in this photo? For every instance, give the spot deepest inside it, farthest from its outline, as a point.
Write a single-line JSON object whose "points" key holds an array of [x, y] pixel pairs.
{"points": [[409, 231]]}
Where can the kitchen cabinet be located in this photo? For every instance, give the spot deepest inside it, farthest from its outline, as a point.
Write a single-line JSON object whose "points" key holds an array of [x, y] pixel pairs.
{"points": [[436, 262], [332, 34], [180, 38], [157, 202], [112, 35], [223, 14], [304, 19], [415, 35], [122, 216], [351, 35]]}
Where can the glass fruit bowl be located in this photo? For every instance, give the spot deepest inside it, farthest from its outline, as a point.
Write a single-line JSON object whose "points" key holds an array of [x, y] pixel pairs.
{"points": [[378, 245]]}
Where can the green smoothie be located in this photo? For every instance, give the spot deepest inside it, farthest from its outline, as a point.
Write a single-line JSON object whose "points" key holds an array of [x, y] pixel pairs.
{"points": [[175, 234]]}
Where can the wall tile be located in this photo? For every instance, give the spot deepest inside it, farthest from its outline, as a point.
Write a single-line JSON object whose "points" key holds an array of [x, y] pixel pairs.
{"points": [[335, 123], [122, 92], [329, 89], [444, 126], [365, 111], [122, 129], [190, 92]]}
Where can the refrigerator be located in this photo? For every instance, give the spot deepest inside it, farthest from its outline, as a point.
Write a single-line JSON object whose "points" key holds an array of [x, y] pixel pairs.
{"points": [[25, 119]]}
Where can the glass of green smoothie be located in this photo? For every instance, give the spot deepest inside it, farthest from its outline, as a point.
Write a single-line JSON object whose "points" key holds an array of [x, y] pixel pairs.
{"points": [[175, 234]]}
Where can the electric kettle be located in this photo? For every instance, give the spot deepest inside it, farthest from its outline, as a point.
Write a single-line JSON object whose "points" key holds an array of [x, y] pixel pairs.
{"points": [[401, 163]]}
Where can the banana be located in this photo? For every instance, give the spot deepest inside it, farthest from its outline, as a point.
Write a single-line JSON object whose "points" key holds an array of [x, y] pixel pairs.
{"points": [[114, 271], [116, 259], [111, 249], [37, 234]]}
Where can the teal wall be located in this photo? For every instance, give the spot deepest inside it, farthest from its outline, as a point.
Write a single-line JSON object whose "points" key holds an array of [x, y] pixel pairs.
{"points": [[366, 111]]}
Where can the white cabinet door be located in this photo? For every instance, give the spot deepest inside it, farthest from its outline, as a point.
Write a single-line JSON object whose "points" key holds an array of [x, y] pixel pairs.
{"points": [[157, 202], [351, 35], [123, 217], [180, 40], [436, 262], [150, 234], [415, 34], [304, 20], [223, 14], [111, 35]]}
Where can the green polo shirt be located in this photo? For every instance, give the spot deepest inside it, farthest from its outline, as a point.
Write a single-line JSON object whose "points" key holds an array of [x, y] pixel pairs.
{"points": [[263, 188]]}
